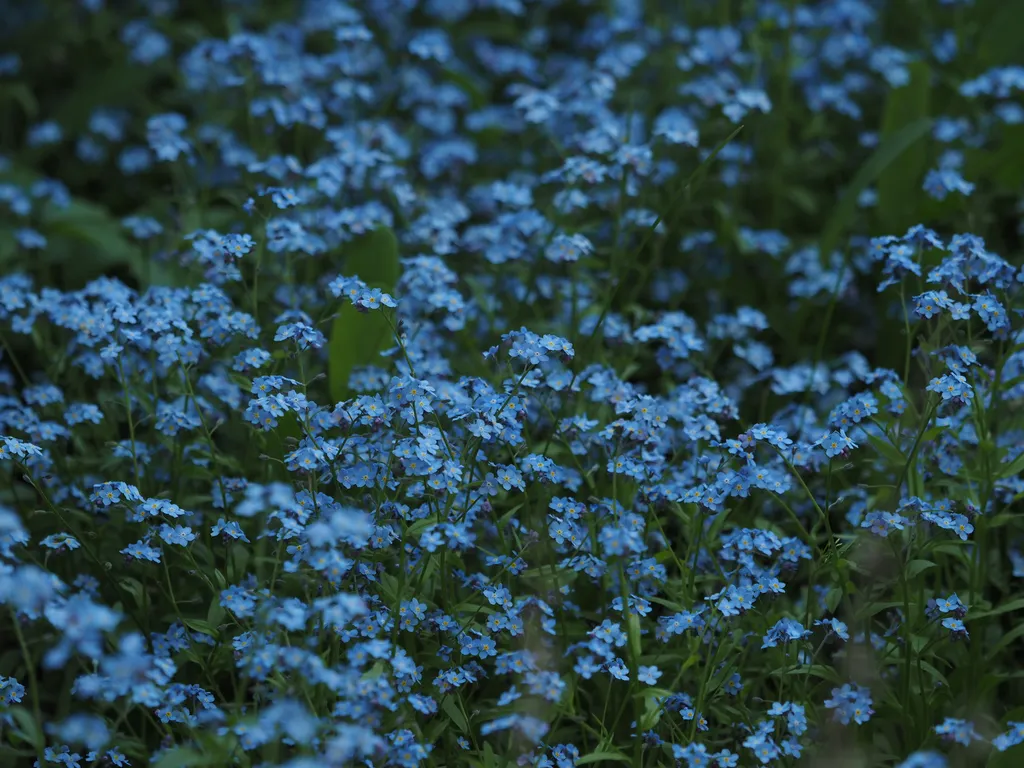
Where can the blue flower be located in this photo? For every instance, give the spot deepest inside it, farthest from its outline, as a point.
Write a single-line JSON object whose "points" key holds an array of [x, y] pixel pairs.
{"points": [[851, 702], [960, 731]]}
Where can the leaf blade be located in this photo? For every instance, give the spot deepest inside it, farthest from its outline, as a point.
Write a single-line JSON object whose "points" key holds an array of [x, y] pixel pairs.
{"points": [[888, 150], [899, 183], [358, 338]]}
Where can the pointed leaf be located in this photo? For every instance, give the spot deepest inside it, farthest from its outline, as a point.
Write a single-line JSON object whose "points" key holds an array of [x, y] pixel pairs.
{"points": [[1013, 468], [357, 338], [28, 728], [201, 625], [915, 567], [603, 757], [451, 709], [181, 757], [1013, 605], [899, 184], [887, 451], [373, 257], [889, 149]]}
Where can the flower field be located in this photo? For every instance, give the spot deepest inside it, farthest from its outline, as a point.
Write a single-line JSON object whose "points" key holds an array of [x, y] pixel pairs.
{"points": [[499, 383]]}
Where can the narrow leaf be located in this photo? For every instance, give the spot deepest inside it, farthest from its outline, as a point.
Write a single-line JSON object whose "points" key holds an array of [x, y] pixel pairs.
{"points": [[357, 338], [452, 710], [180, 757], [887, 451], [603, 757], [889, 149], [1013, 605], [899, 184], [915, 567], [1012, 469], [373, 257], [27, 725], [201, 625]]}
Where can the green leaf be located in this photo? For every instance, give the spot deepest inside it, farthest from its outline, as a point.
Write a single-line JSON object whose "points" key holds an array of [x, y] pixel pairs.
{"points": [[999, 42], [216, 613], [452, 710], [1010, 637], [603, 757], [412, 533], [914, 567], [28, 728], [121, 84], [833, 598], [888, 150], [389, 586], [1012, 469], [86, 223], [814, 670], [278, 442], [357, 338], [433, 564], [490, 759], [181, 757], [1003, 165], [469, 85], [670, 604], [935, 674], [653, 699], [218, 576], [10, 755], [134, 586], [373, 258], [887, 451], [376, 671], [238, 562], [202, 626], [633, 633], [10, 661], [1013, 605], [505, 518], [873, 608], [433, 733], [20, 94], [1011, 758], [899, 184], [92, 224]]}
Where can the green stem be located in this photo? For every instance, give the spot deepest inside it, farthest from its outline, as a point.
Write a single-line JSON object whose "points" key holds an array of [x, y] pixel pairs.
{"points": [[37, 712]]}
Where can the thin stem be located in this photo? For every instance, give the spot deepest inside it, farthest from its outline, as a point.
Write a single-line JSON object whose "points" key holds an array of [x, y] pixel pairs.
{"points": [[37, 712]]}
